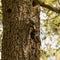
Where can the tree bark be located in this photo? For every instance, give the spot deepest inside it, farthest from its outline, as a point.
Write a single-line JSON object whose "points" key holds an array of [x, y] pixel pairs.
{"points": [[17, 43]]}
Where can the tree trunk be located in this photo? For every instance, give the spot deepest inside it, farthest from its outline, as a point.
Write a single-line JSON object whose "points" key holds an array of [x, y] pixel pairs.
{"points": [[17, 43]]}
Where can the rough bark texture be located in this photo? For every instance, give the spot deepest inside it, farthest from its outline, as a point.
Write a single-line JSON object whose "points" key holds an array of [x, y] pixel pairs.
{"points": [[17, 43]]}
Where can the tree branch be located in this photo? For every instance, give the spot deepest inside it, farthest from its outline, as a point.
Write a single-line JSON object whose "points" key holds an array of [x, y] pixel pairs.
{"points": [[49, 7]]}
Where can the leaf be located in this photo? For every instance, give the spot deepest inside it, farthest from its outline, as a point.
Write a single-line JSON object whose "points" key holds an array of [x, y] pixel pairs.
{"points": [[44, 38], [50, 1], [58, 41]]}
